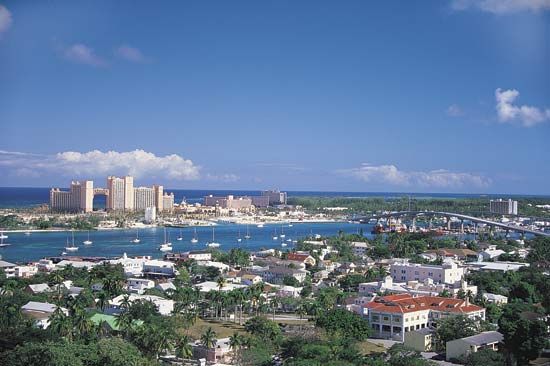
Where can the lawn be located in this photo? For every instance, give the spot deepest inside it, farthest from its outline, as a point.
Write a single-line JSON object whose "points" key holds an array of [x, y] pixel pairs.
{"points": [[222, 329]]}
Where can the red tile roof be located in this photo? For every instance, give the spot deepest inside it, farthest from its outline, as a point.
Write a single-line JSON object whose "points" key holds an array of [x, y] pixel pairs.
{"points": [[405, 303], [297, 257]]}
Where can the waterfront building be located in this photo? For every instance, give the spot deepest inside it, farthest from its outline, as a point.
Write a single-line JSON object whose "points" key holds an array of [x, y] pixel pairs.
{"points": [[392, 316], [276, 197], [150, 214], [159, 190], [121, 193], [449, 272], [168, 202], [144, 197], [79, 198], [229, 202], [503, 207]]}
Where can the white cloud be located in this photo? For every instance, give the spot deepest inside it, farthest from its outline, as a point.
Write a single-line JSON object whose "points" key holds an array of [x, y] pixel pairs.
{"points": [[508, 112], [226, 178], [390, 174], [5, 19], [131, 54], [83, 54], [454, 111], [502, 6], [138, 163]]}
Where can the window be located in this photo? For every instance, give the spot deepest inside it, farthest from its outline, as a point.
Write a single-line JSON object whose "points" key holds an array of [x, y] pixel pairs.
{"points": [[397, 319], [416, 273], [375, 318], [385, 318]]}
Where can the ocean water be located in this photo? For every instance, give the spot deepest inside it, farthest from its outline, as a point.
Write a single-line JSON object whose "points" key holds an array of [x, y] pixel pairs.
{"points": [[113, 243], [18, 197]]}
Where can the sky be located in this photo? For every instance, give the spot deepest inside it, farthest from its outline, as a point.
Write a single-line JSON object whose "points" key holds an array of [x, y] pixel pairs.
{"points": [[371, 96]]}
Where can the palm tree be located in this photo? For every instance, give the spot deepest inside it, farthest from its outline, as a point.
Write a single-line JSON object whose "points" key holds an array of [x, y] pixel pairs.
{"points": [[60, 323], [102, 300], [125, 302], [235, 343], [57, 278], [123, 322], [274, 303], [208, 338], [184, 349]]}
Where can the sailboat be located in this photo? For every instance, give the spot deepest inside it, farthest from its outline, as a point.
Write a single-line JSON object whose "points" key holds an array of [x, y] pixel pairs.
{"points": [[2, 236], [260, 225], [136, 239], [87, 241], [72, 247], [195, 239], [180, 238], [275, 237], [2, 244], [166, 246], [282, 232], [27, 233], [239, 239], [213, 243], [247, 236]]}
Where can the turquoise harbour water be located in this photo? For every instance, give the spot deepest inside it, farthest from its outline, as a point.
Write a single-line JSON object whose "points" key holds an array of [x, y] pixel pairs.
{"points": [[113, 243]]}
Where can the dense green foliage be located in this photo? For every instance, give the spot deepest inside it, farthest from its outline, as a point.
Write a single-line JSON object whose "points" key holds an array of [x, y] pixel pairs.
{"points": [[340, 321]]}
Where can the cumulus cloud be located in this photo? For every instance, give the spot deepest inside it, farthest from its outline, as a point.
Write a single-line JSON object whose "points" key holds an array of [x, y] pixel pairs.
{"points": [[454, 111], [5, 19], [502, 6], [83, 54], [508, 112], [138, 163], [390, 174], [131, 54]]}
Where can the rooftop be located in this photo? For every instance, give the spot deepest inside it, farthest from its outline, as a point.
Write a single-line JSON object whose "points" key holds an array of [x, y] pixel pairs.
{"points": [[484, 338], [405, 303]]}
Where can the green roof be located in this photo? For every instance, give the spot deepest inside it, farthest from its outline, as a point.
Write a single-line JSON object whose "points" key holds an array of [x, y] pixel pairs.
{"points": [[109, 319]]}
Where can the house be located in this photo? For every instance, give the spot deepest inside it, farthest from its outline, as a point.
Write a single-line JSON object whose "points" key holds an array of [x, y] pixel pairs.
{"points": [[38, 288], [41, 312], [25, 271], [166, 286], [420, 340], [109, 321], [346, 268], [289, 291], [139, 285], [448, 272], [221, 353], [277, 274], [45, 265], [495, 299], [490, 253], [164, 306], [158, 268], [132, 266], [302, 258], [250, 279], [453, 253], [394, 315], [8, 268], [199, 255], [359, 248], [321, 275], [208, 286], [427, 287], [75, 264], [462, 347]]}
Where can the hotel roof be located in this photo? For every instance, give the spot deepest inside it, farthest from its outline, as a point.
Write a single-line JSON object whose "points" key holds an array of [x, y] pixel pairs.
{"points": [[405, 303]]}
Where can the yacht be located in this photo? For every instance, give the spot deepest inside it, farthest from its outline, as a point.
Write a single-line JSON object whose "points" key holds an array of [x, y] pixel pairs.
{"points": [[289, 240], [27, 233], [260, 226], [136, 239], [2, 236], [166, 246], [180, 238], [195, 239], [290, 225], [213, 243], [283, 244], [87, 241], [247, 236], [275, 237], [239, 239], [2, 244], [72, 247], [282, 232]]}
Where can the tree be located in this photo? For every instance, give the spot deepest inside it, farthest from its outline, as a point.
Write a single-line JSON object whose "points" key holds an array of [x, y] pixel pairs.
{"points": [[291, 281], [524, 334], [208, 338], [454, 327], [235, 343], [264, 329], [184, 348], [484, 357], [346, 323]]}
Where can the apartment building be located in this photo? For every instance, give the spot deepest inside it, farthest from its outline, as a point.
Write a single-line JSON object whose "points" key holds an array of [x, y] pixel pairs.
{"points": [[449, 272]]}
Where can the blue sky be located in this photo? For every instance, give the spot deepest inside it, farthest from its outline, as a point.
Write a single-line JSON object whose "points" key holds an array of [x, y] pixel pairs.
{"points": [[423, 96]]}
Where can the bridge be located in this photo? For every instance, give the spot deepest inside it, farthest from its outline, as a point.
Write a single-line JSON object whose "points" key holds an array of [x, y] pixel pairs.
{"points": [[463, 217]]}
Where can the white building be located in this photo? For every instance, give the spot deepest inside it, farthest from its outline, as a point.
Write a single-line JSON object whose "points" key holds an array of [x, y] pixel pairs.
{"points": [[415, 288], [40, 312], [359, 248], [449, 272], [144, 197], [139, 285], [164, 306], [79, 198], [495, 299], [158, 268], [504, 207], [150, 214]]}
